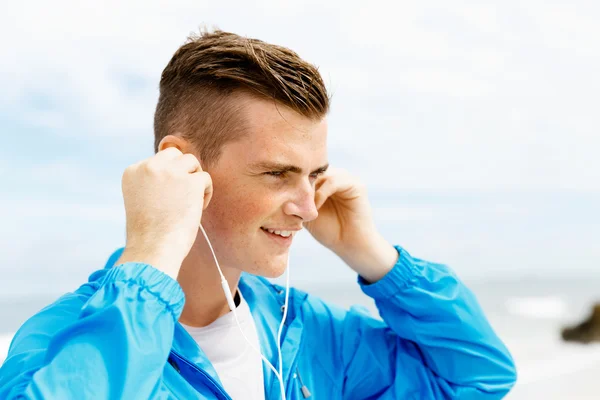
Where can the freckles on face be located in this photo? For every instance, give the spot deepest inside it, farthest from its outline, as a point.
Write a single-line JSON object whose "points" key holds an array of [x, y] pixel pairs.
{"points": [[250, 205], [240, 206], [250, 191], [237, 211]]}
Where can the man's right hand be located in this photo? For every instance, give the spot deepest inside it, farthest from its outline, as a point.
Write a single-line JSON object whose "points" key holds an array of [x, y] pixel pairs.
{"points": [[164, 197]]}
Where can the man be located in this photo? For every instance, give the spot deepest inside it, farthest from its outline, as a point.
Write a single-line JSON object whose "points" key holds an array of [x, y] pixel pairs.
{"points": [[240, 141]]}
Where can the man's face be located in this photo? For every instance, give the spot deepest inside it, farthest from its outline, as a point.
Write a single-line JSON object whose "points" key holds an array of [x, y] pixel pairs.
{"points": [[264, 182]]}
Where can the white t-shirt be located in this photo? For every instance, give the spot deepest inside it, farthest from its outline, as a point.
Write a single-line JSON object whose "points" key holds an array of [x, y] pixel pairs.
{"points": [[238, 365]]}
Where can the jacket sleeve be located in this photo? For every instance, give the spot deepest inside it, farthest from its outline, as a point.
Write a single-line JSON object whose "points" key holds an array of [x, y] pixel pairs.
{"points": [[108, 340], [434, 341]]}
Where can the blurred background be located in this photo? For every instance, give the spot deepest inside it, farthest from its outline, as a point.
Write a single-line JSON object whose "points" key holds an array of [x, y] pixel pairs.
{"points": [[473, 124]]}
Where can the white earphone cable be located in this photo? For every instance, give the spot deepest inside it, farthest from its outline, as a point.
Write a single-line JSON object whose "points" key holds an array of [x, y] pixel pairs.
{"points": [[231, 304], [285, 310]]}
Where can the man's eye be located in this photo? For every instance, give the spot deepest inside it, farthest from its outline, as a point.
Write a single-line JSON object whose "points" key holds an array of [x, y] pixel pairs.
{"points": [[277, 174], [316, 175]]}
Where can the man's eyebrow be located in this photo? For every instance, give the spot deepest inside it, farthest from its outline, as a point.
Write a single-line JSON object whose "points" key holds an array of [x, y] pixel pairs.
{"points": [[280, 167]]}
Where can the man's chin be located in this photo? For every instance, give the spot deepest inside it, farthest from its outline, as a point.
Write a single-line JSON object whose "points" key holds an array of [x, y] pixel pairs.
{"points": [[272, 274], [271, 269]]}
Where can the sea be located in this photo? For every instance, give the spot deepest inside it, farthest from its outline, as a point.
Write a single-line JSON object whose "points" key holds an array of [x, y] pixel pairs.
{"points": [[527, 314]]}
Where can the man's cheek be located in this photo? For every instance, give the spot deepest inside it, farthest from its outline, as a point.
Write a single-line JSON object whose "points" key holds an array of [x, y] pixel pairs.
{"points": [[255, 208]]}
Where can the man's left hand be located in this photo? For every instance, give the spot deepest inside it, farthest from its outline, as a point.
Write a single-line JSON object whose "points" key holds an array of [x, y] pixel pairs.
{"points": [[345, 225]]}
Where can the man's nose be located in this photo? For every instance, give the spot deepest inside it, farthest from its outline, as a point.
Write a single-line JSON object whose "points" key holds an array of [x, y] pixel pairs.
{"points": [[303, 204]]}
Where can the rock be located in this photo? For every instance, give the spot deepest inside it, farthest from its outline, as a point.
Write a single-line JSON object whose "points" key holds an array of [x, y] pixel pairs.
{"points": [[587, 331]]}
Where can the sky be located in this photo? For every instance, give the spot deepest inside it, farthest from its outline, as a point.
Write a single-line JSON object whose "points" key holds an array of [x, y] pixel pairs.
{"points": [[473, 124]]}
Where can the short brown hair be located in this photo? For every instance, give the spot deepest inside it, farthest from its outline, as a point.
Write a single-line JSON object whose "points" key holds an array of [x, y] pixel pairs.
{"points": [[205, 75]]}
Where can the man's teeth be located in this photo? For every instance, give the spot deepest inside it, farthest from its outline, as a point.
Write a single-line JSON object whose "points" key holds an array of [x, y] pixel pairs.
{"points": [[280, 233]]}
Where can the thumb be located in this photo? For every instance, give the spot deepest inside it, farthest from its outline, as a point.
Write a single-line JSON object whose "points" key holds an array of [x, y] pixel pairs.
{"points": [[204, 180], [323, 193]]}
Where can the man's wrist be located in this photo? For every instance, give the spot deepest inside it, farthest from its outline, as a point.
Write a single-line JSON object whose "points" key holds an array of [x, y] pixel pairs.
{"points": [[373, 260], [164, 261]]}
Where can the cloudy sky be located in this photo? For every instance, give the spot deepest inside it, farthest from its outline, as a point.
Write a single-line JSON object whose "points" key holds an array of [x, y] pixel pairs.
{"points": [[474, 125]]}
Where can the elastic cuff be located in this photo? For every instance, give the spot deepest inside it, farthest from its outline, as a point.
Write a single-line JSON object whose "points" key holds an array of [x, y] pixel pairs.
{"points": [[165, 288], [399, 277]]}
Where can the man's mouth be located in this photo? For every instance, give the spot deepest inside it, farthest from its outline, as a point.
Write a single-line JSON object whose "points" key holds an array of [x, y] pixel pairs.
{"points": [[283, 234]]}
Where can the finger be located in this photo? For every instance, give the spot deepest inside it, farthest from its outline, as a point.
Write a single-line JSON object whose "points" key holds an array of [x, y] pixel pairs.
{"points": [[327, 188], [188, 163], [168, 154], [320, 181], [203, 178]]}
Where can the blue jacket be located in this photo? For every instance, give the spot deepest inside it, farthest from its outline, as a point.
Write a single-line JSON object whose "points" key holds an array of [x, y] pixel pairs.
{"points": [[117, 337]]}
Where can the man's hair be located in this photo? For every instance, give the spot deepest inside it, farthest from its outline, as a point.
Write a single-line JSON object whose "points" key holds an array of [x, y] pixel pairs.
{"points": [[204, 78]]}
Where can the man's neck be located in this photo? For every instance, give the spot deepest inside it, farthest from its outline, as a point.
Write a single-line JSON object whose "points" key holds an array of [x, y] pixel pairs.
{"points": [[200, 280]]}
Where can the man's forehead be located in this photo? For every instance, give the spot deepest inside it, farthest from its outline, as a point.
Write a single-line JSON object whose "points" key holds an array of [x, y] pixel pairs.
{"points": [[261, 115]]}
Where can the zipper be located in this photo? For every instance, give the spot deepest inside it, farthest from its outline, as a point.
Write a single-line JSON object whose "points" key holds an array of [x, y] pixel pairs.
{"points": [[204, 374], [305, 392]]}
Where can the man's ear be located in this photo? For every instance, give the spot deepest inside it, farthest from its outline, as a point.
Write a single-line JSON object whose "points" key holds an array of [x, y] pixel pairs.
{"points": [[180, 144], [174, 141]]}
